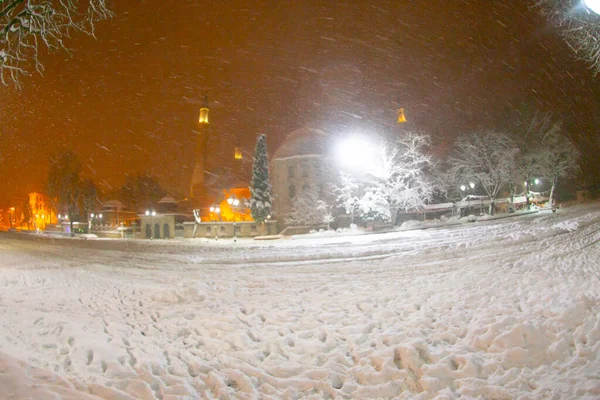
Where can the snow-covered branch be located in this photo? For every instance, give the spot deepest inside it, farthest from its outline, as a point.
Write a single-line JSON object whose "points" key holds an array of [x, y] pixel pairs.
{"points": [[579, 26], [27, 26]]}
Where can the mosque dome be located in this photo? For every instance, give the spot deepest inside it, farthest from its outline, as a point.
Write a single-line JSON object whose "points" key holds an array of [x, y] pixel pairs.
{"points": [[303, 142]]}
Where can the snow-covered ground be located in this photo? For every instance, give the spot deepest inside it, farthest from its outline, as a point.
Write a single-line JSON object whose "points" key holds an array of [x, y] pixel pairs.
{"points": [[498, 309]]}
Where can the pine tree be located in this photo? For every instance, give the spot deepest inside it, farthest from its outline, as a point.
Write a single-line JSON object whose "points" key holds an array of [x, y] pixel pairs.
{"points": [[260, 202]]}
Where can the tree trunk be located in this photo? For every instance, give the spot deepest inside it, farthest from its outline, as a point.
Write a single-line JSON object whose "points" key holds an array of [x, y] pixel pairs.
{"points": [[551, 197], [491, 209], [527, 194]]}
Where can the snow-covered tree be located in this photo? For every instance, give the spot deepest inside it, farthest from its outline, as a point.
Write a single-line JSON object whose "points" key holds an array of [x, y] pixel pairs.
{"points": [[64, 184], [545, 151], [559, 158], [346, 194], [580, 26], [141, 191], [527, 136], [261, 200], [308, 209], [89, 194], [399, 181], [485, 158], [30, 27]]}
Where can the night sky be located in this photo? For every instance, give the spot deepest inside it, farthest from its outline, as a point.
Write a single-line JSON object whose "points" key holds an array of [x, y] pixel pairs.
{"points": [[128, 101]]}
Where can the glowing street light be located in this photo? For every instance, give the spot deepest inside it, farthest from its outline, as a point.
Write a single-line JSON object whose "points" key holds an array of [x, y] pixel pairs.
{"points": [[233, 202], [358, 154], [472, 185], [463, 187], [593, 5], [153, 214]]}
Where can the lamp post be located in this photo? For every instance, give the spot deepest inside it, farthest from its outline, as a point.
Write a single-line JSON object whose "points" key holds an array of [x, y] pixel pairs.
{"points": [[152, 214], [215, 210], [233, 202], [92, 216]]}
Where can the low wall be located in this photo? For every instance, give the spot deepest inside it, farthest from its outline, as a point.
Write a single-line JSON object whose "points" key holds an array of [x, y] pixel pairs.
{"points": [[225, 229]]}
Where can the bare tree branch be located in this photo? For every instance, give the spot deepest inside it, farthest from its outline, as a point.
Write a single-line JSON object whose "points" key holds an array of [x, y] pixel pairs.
{"points": [[27, 25]]}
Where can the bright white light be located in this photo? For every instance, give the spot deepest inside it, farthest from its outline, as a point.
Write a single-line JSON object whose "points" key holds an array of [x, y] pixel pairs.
{"points": [[99, 215], [472, 185], [147, 212], [212, 209], [463, 187], [358, 154], [217, 210], [92, 215], [593, 5], [153, 213], [59, 217], [537, 181], [236, 202]]}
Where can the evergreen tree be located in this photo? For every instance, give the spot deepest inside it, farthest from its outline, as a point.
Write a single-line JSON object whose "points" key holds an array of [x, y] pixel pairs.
{"points": [[261, 201]]}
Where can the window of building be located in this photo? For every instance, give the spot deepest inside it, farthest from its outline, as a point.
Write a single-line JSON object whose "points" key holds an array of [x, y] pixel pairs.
{"points": [[292, 191], [208, 230], [304, 170], [238, 229], [253, 228], [222, 229]]}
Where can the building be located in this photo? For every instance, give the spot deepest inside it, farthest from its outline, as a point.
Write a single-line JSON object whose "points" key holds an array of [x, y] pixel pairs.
{"points": [[302, 163], [165, 221], [42, 211], [305, 161]]}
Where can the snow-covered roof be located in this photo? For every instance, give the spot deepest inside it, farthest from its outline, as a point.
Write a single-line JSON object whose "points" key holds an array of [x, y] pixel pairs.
{"points": [[303, 141], [167, 200]]}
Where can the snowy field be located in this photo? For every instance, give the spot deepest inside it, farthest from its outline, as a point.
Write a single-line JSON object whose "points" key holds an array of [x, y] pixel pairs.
{"points": [[499, 309]]}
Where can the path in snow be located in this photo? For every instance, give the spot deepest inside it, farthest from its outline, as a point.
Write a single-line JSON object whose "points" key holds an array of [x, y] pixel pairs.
{"points": [[500, 309]]}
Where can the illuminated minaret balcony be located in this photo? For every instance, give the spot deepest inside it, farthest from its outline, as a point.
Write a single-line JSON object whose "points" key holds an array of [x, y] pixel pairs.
{"points": [[203, 119], [401, 116], [238, 153]]}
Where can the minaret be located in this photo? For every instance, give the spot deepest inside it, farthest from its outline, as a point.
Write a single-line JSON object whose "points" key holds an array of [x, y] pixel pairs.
{"points": [[197, 186]]}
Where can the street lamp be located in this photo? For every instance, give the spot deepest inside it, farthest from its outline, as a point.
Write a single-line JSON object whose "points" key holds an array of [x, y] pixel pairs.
{"points": [[151, 213], [215, 210], [233, 202]]}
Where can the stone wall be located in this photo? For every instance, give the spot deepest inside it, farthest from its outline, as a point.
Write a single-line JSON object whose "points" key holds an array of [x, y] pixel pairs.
{"points": [[225, 229]]}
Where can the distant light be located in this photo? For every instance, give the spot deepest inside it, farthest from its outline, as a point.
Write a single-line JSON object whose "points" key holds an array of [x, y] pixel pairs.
{"points": [[236, 202], [92, 215], [463, 187], [59, 216], [212, 209], [593, 5], [99, 215], [153, 213], [472, 185], [217, 210], [537, 181], [230, 200], [147, 212]]}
